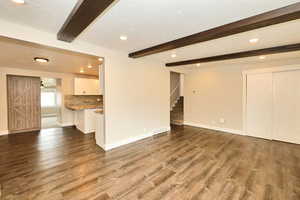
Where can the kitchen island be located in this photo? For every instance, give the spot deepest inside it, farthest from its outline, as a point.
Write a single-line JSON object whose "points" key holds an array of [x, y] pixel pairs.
{"points": [[84, 108], [100, 131]]}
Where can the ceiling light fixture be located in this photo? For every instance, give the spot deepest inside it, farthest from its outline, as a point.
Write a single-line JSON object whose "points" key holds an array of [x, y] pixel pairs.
{"points": [[19, 1], [254, 40], [123, 37], [198, 64], [41, 60], [173, 55], [81, 71], [100, 59], [262, 57]]}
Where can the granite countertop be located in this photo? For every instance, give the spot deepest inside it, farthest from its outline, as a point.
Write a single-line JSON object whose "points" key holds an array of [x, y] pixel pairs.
{"points": [[99, 111], [83, 107]]}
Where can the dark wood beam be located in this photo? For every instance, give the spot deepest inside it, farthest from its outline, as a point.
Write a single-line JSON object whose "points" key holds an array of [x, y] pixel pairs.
{"points": [[82, 15], [281, 15], [259, 52]]}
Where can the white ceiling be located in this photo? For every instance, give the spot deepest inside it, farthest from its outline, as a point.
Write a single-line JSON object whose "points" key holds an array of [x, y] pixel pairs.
{"points": [[20, 54], [147, 23]]}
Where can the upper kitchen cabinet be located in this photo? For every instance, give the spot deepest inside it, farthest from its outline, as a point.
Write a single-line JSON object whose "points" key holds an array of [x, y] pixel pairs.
{"points": [[86, 86]]}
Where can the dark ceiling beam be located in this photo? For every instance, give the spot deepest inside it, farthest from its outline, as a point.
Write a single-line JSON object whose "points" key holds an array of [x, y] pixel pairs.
{"points": [[281, 15], [245, 54], [82, 15]]}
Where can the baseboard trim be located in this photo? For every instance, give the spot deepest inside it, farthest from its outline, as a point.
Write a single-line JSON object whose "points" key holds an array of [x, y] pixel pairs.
{"points": [[226, 130], [66, 124], [5, 132], [135, 139]]}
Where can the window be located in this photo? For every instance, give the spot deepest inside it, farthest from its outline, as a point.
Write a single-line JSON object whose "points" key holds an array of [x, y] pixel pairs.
{"points": [[48, 99]]}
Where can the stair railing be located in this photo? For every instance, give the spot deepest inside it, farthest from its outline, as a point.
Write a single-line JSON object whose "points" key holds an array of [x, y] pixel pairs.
{"points": [[174, 96]]}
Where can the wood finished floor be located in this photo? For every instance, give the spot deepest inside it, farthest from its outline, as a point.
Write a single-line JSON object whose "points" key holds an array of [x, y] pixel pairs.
{"points": [[188, 163]]}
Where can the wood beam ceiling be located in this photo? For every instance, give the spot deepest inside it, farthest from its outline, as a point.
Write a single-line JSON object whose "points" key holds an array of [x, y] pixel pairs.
{"points": [[82, 15], [281, 15], [259, 52]]}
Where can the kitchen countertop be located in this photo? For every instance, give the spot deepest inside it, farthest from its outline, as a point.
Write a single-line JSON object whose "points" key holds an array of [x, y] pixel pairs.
{"points": [[99, 111], [83, 107]]}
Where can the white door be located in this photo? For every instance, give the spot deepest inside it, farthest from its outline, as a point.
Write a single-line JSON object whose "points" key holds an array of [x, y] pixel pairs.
{"points": [[259, 105], [287, 106]]}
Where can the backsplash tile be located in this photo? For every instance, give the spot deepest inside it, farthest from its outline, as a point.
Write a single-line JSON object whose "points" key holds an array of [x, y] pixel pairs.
{"points": [[83, 100]]}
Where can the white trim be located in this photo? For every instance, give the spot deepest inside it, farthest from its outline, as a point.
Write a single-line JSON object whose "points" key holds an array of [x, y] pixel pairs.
{"points": [[108, 147], [272, 69], [5, 132], [260, 71], [161, 130], [66, 124], [226, 130]]}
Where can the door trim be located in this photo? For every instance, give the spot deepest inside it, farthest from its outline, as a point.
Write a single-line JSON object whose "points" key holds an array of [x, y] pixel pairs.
{"points": [[245, 73]]}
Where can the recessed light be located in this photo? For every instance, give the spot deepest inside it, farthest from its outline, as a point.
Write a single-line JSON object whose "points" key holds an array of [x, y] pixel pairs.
{"points": [[173, 55], [19, 1], [262, 57], [90, 66], [81, 71], [41, 60], [123, 37], [100, 59], [254, 40], [198, 64]]}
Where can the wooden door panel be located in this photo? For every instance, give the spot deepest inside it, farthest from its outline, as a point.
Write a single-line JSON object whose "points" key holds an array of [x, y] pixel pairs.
{"points": [[24, 107]]}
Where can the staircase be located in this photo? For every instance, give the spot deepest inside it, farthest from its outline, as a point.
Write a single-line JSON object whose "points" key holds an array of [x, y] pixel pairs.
{"points": [[177, 112]]}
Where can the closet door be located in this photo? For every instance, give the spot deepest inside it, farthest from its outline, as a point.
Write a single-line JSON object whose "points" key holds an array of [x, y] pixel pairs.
{"points": [[287, 106], [24, 104], [259, 105]]}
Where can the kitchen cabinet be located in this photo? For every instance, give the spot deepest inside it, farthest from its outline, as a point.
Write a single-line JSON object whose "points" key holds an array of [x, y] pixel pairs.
{"points": [[85, 120], [85, 86]]}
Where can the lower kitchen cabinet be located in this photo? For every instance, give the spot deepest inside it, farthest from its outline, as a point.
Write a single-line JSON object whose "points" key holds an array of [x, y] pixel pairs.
{"points": [[85, 120]]}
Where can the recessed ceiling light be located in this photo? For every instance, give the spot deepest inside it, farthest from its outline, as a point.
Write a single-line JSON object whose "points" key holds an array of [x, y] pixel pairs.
{"points": [[100, 59], [254, 40], [173, 55], [123, 37], [41, 60], [81, 71], [19, 1], [198, 64], [262, 57], [90, 66]]}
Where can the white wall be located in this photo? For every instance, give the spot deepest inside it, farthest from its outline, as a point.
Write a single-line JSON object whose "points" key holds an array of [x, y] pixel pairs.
{"points": [[211, 94], [136, 96], [216, 92]]}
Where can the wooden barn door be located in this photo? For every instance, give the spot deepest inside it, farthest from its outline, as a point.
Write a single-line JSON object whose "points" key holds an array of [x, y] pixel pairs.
{"points": [[24, 104]]}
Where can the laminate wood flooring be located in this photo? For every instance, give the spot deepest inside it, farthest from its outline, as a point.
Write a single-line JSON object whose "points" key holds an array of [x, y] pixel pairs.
{"points": [[185, 163]]}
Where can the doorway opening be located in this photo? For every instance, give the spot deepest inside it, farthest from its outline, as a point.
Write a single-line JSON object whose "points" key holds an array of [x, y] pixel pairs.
{"points": [[176, 98], [50, 103]]}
